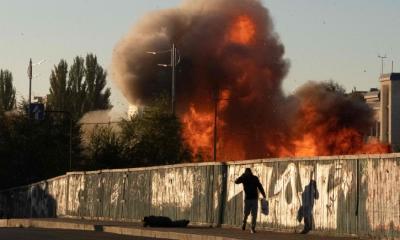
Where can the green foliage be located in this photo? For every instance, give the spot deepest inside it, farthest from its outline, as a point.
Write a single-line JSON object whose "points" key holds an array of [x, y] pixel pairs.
{"points": [[104, 148], [58, 97], [77, 88], [7, 91], [32, 150], [96, 81], [83, 91], [151, 137]]}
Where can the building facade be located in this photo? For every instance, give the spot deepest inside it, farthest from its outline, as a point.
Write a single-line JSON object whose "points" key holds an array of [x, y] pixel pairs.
{"points": [[386, 105]]}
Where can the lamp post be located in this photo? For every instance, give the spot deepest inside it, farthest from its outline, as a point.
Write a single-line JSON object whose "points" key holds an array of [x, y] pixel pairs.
{"points": [[30, 66], [175, 60], [216, 101], [30, 83], [382, 59]]}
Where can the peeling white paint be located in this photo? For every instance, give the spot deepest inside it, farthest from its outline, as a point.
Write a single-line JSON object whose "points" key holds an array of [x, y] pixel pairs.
{"points": [[280, 197], [58, 191], [285, 191], [75, 192], [173, 188], [383, 198], [115, 193]]}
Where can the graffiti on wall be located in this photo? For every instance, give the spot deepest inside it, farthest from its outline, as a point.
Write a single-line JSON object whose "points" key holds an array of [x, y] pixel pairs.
{"points": [[174, 187], [284, 186], [357, 194], [58, 191], [75, 193]]}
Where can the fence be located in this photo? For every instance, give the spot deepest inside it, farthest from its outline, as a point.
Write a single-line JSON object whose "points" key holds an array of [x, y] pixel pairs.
{"points": [[357, 194]]}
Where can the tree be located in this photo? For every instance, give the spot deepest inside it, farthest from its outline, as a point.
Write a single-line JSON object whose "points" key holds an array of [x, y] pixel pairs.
{"points": [[58, 97], [150, 137], [83, 91], [153, 136], [104, 148], [7, 91], [77, 88], [32, 150], [95, 80]]}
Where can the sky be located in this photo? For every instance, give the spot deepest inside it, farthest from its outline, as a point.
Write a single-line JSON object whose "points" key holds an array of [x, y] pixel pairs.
{"points": [[324, 39]]}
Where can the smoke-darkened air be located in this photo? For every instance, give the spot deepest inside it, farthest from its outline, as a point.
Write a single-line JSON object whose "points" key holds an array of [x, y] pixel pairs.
{"points": [[232, 58]]}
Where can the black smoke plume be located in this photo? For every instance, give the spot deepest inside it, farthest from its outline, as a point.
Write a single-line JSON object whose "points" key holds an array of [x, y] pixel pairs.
{"points": [[230, 52]]}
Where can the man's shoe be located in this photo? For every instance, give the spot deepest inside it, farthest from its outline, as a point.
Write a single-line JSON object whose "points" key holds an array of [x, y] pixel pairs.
{"points": [[305, 231], [253, 230], [244, 226]]}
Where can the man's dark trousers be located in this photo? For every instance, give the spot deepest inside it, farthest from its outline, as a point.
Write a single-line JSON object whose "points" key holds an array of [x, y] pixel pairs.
{"points": [[250, 206]]}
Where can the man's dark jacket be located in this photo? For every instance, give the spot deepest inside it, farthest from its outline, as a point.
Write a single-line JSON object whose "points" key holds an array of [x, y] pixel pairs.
{"points": [[250, 184]]}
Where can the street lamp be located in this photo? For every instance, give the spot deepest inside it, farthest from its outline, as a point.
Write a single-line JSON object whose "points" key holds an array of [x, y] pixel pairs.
{"points": [[382, 59], [175, 60]]}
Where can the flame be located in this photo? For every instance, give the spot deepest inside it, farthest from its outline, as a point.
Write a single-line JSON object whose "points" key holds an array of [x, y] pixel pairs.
{"points": [[242, 30], [198, 131], [327, 138], [233, 45], [314, 132], [304, 147], [374, 147], [223, 102], [231, 150]]}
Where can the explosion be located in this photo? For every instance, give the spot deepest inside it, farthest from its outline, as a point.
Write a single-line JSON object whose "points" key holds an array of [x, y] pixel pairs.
{"points": [[230, 75], [242, 30]]}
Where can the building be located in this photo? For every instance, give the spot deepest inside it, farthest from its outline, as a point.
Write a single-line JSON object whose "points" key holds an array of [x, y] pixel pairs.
{"points": [[390, 109], [372, 98], [40, 99], [386, 105]]}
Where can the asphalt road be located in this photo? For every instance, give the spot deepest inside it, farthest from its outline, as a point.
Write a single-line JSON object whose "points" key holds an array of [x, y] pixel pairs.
{"points": [[55, 234]]}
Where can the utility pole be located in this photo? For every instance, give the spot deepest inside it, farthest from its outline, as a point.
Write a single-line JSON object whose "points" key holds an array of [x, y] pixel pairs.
{"points": [[216, 99], [173, 65], [30, 84], [30, 76], [382, 58], [175, 60], [392, 65]]}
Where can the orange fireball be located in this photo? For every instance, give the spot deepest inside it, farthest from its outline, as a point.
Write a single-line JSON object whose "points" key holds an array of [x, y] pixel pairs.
{"points": [[242, 31]]}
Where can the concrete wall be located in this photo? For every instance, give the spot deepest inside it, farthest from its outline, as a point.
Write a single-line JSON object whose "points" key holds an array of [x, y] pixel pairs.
{"points": [[357, 194]]}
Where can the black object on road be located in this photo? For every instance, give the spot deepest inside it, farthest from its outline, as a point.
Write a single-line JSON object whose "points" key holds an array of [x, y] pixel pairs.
{"points": [[161, 221]]}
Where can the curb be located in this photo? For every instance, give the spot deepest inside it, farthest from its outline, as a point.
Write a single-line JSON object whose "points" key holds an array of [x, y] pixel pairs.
{"points": [[129, 231]]}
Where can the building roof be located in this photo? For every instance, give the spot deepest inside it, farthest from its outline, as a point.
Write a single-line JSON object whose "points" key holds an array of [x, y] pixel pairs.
{"points": [[390, 77], [372, 94]]}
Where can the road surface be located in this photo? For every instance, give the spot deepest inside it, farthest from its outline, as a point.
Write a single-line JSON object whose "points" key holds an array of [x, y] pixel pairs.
{"points": [[55, 234]]}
